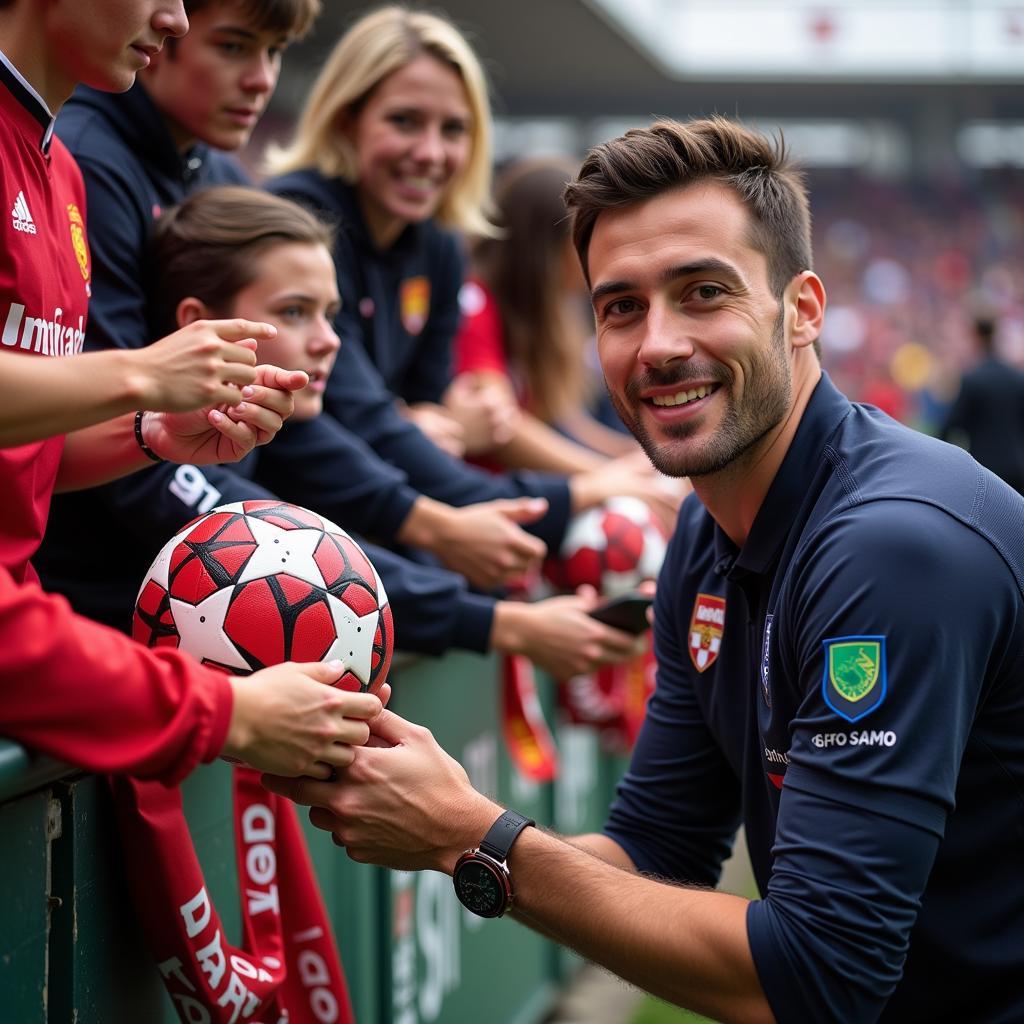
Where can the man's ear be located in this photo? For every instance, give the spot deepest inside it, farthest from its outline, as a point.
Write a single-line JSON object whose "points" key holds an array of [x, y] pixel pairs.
{"points": [[190, 310], [805, 298]]}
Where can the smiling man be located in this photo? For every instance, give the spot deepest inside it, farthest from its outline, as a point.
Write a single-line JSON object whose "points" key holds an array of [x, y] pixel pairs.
{"points": [[839, 630]]}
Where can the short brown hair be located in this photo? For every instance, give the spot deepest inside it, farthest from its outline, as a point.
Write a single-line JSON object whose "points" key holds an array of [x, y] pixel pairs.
{"points": [[646, 162], [208, 246], [289, 17]]}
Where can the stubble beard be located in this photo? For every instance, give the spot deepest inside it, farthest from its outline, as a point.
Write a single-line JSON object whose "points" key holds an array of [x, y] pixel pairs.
{"points": [[768, 393]]}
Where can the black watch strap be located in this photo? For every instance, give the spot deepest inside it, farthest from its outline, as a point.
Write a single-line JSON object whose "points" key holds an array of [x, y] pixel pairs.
{"points": [[503, 833]]}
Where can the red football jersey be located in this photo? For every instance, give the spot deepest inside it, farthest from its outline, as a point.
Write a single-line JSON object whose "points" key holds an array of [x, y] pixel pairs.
{"points": [[44, 291]]}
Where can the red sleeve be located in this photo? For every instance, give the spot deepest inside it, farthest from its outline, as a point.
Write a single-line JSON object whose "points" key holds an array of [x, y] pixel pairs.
{"points": [[479, 345], [85, 694]]}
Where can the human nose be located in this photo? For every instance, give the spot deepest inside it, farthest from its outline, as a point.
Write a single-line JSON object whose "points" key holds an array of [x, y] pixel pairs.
{"points": [[170, 19], [665, 338], [429, 146], [261, 75], [325, 339]]}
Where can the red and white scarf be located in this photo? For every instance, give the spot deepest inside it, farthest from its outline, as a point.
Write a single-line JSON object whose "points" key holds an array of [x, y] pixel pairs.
{"points": [[288, 970]]}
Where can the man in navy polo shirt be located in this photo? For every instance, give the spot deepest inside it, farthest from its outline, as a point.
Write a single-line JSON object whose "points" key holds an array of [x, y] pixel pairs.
{"points": [[840, 639]]}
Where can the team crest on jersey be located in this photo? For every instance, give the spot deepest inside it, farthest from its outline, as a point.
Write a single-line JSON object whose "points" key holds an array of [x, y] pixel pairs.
{"points": [[706, 626], [855, 678], [414, 299], [78, 241]]}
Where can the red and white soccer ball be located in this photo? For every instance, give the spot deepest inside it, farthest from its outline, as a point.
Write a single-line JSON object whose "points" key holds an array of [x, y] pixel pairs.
{"points": [[257, 583], [612, 547]]}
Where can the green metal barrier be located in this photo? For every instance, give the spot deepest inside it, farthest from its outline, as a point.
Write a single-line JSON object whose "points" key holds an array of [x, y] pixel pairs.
{"points": [[24, 906], [446, 964]]}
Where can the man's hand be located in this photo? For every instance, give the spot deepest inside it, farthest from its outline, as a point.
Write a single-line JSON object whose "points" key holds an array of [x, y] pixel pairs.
{"points": [[559, 636], [290, 720], [402, 803], [227, 433]]}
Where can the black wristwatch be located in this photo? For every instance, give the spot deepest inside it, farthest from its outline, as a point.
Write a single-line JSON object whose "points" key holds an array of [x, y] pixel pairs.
{"points": [[481, 876]]}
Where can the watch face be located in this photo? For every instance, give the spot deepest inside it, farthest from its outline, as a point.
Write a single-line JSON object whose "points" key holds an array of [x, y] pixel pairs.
{"points": [[481, 888]]}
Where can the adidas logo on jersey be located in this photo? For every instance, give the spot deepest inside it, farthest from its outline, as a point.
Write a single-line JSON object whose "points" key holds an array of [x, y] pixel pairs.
{"points": [[20, 216]]}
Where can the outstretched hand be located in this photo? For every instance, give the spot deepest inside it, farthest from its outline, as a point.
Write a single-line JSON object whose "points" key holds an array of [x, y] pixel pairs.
{"points": [[290, 719], [229, 431], [559, 635], [402, 802], [486, 542]]}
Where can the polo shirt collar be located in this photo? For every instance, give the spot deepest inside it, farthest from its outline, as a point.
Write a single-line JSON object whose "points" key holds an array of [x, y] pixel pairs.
{"points": [[28, 99], [789, 491]]}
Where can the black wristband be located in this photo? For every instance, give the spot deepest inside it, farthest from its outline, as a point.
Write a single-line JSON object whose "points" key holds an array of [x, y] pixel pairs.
{"points": [[503, 833], [146, 450]]}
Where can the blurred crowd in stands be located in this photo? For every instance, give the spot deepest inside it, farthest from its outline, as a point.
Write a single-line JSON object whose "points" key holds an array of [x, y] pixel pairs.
{"points": [[908, 266]]}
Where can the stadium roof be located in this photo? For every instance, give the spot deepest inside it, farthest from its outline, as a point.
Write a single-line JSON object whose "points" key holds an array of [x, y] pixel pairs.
{"points": [[573, 58]]}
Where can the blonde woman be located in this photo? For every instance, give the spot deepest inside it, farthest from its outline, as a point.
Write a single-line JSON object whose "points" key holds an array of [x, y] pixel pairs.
{"points": [[394, 145]]}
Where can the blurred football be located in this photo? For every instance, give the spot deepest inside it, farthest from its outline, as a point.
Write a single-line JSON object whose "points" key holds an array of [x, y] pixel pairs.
{"points": [[612, 547]]}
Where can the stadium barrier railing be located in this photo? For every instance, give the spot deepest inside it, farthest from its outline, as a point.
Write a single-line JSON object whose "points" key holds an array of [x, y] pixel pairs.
{"points": [[71, 948]]}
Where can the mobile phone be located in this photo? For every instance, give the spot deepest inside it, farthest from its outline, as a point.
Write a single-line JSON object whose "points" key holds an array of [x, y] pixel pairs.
{"points": [[627, 612]]}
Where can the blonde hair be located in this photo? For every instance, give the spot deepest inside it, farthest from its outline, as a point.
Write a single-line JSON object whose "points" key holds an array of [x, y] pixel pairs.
{"points": [[377, 45]]}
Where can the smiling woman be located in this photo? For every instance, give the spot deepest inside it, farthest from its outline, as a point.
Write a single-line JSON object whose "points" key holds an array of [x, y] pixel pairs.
{"points": [[394, 142]]}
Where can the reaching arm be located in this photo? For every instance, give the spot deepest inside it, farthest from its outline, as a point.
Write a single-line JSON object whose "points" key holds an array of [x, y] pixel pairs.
{"points": [[203, 436], [535, 445], [195, 367], [686, 945]]}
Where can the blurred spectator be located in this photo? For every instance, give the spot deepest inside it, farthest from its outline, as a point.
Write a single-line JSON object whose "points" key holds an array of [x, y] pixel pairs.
{"points": [[524, 331], [988, 414], [905, 259]]}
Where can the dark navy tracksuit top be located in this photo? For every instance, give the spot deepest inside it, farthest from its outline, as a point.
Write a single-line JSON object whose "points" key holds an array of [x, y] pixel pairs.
{"points": [[99, 543], [399, 314], [850, 686]]}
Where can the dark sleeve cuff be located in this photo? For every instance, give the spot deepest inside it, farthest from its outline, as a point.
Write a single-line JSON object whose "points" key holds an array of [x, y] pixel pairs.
{"points": [[473, 621], [551, 528], [394, 513]]}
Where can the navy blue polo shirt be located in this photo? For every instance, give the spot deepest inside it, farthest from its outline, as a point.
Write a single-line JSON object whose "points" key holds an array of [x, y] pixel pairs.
{"points": [[850, 686]]}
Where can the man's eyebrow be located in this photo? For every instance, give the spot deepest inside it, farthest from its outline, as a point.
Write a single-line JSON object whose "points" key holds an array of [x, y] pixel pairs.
{"points": [[711, 265], [609, 288]]}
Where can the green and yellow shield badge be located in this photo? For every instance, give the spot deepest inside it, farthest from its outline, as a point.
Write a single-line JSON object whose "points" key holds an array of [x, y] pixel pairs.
{"points": [[854, 682]]}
